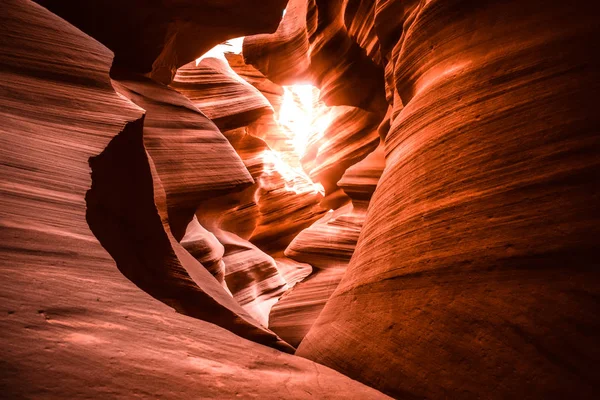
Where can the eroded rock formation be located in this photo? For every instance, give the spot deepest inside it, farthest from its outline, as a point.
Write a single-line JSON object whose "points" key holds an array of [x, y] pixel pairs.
{"points": [[475, 269], [156, 37], [429, 229], [327, 245], [72, 325]]}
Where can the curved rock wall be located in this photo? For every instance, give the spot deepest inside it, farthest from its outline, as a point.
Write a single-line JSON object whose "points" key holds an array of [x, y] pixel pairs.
{"points": [[476, 269], [269, 213], [468, 270], [229, 101], [72, 326], [327, 245], [156, 37], [313, 44]]}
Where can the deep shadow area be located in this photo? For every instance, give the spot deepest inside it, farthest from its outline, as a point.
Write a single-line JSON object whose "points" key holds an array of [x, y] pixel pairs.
{"points": [[126, 211]]}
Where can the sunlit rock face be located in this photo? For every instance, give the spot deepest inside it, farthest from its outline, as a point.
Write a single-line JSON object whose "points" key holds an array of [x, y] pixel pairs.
{"points": [[327, 245], [476, 269], [313, 44], [73, 326], [282, 200], [403, 191], [225, 98], [348, 138]]}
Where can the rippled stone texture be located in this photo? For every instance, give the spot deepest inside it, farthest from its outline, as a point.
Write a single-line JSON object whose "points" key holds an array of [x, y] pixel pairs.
{"points": [[476, 270], [327, 245], [194, 160], [475, 274], [351, 135], [251, 275], [72, 326], [313, 44], [256, 213], [254, 278], [229, 101], [158, 36], [205, 248]]}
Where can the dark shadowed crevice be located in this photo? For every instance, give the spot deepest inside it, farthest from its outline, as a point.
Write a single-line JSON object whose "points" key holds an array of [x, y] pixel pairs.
{"points": [[126, 211]]}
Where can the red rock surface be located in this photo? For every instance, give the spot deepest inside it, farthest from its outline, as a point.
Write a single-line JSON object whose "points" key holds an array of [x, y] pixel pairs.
{"points": [[213, 87], [476, 270], [270, 212], [193, 159], [351, 135], [157, 37], [327, 245], [312, 43], [72, 326], [144, 225]]}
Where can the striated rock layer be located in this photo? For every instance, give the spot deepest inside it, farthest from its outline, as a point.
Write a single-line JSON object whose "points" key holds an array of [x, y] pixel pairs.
{"points": [[71, 325], [327, 245], [228, 100], [187, 147], [476, 272], [269, 213], [157, 37], [283, 200], [312, 43]]}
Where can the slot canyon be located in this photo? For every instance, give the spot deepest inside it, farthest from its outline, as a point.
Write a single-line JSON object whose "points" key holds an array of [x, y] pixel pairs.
{"points": [[303, 199]]}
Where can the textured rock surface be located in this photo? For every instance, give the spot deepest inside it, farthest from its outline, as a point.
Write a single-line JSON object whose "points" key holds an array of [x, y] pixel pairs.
{"points": [[72, 326], [294, 314], [475, 273], [476, 269], [351, 135], [229, 101], [270, 212], [193, 162], [360, 180], [282, 201], [313, 44], [327, 245], [193, 159], [251, 275], [205, 248], [157, 37]]}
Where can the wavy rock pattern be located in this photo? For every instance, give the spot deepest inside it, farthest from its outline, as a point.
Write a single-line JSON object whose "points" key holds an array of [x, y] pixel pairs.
{"points": [[157, 37], [127, 213], [327, 245], [359, 19], [229, 101], [255, 213], [292, 271], [272, 211], [360, 180], [205, 248], [193, 159], [281, 203], [270, 90], [297, 310], [72, 325], [252, 276], [473, 269], [351, 135], [476, 267], [313, 44]]}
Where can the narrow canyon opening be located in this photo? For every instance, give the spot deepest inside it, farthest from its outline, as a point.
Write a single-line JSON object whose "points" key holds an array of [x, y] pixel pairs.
{"points": [[277, 244], [356, 200]]}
